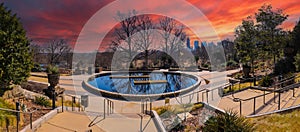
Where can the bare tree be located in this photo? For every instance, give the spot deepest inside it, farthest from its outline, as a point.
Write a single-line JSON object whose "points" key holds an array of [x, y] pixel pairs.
{"points": [[57, 50], [173, 37], [173, 34], [145, 35], [124, 33], [36, 50]]}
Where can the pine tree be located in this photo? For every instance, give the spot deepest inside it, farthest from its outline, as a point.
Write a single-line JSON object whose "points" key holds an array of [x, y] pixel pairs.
{"points": [[15, 56]]}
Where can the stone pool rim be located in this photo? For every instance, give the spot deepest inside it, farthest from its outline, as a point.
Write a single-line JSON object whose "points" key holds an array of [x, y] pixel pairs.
{"points": [[135, 97]]}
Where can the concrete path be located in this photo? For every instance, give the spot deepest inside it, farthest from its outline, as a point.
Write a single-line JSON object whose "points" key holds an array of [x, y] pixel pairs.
{"points": [[68, 122]]}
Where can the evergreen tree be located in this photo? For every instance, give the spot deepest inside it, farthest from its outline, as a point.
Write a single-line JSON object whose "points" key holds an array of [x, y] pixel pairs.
{"points": [[246, 43], [296, 44], [15, 56], [270, 34]]}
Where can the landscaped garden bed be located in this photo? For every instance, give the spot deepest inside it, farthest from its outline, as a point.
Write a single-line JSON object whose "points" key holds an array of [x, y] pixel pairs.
{"points": [[181, 118]]}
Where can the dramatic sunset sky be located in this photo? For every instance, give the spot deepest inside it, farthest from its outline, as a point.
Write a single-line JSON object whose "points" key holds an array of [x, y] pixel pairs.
{"points": [[45, 20]]}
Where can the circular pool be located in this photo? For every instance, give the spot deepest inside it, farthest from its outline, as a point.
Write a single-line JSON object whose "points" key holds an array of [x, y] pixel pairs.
{"points": [[141, 85]]}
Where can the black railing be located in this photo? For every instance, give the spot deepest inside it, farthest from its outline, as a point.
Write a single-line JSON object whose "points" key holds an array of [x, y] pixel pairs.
{"points": [[278, 90], [18, 111]]}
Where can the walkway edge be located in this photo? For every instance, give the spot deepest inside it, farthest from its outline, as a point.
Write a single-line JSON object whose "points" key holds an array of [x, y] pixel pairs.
{"points": [[157, 121]]}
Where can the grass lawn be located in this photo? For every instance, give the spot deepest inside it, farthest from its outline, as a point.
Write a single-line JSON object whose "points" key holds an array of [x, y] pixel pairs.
{"points": [[38, 79], [278, 122], [5, 116]]}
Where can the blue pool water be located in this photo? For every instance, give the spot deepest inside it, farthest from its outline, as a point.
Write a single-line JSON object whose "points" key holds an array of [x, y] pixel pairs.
{"points": [[175, 82]]}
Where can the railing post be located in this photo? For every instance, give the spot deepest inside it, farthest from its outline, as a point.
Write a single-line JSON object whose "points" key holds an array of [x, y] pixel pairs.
{"points": [[142, 106], [107, 104], [73, 101], [62, 103], [18, 114], [264, 97], [150, 106], [146, 106], [113, 107], [212, 95], [254, 101], [30, 120], [202, 96], [104, 108], [197, 97], [279, 100], [293, 92], [274, 96], [79, 104], [240, 107], [207, 96]]}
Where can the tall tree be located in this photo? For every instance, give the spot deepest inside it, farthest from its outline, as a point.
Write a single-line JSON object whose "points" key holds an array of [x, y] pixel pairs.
{"points": [[57, 49], [145, 35], [173, 34], [246, 42], [173, 38], [123, 34], [296, 43], [15, 56], [296, 36], [269, 20]]}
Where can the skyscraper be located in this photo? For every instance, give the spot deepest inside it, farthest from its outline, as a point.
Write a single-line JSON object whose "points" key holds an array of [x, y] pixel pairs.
{"points": [[196, 44], [188, 43]]}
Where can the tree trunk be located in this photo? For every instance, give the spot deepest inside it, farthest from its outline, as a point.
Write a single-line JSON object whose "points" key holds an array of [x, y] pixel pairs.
{"points": [[146, 59]]}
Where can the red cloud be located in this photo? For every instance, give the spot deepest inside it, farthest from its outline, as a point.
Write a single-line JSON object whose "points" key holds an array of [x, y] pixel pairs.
{"points": [[46, 20]]}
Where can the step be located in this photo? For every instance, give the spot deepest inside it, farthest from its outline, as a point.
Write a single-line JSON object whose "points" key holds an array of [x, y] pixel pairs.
{"points": [[291, 99], [124, 77], [149, 82]]}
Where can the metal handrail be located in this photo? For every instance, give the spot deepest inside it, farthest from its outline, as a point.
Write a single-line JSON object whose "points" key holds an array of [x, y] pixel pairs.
{"points": [[285, 80], [292, 86], [30, 113]]}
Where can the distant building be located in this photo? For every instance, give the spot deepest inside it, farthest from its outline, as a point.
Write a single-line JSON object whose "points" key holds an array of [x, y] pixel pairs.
{"points": [[203, 44], [188, 43], [196, 44]]}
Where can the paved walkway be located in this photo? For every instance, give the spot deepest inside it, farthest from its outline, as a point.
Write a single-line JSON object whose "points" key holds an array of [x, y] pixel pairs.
{"points": [[68, 122]]}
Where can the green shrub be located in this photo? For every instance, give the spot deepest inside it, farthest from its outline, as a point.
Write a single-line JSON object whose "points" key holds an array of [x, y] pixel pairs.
{"points": [[162, 109], [228, 121], [266, 81], [205, 65], [197, 106], [231, 63], [52, 69], [42, 101]]}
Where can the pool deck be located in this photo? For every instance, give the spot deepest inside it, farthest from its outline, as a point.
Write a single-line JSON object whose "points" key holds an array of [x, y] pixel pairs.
{"points": [[125, 117]]}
